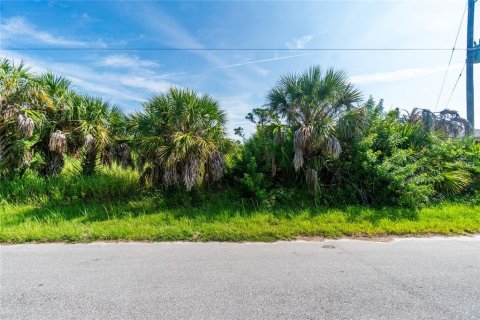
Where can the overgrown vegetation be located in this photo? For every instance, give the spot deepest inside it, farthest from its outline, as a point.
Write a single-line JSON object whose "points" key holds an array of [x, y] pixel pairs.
{"points": [[321, 162]]}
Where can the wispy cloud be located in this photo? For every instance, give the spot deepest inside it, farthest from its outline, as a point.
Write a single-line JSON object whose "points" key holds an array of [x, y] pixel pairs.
{"points": [[299, 43], [125, 61], [155, 86], [111, 91], [173, 34], [398, 75], [124, 87], [19, 29]]}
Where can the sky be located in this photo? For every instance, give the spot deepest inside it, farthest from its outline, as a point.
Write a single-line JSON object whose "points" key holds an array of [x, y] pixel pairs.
{"points": [[128, 51]]}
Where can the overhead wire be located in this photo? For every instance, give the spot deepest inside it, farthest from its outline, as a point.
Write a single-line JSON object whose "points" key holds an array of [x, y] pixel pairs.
{"points": [[451, 57], [220, 49], [456, 83]]}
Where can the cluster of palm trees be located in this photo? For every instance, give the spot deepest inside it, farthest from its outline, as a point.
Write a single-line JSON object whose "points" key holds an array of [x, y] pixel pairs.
{"points": [[42, 117], [179, 139]]}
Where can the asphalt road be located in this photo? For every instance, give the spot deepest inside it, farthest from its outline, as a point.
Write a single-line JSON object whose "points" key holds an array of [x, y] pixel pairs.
{"points": [[434, 278]]}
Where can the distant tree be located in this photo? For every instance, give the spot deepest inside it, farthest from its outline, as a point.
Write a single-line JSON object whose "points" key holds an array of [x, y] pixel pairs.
{"points": [[239, 132]]}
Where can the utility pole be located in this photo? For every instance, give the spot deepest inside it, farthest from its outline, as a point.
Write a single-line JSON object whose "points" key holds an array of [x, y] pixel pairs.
{"points": [[473, 56]]}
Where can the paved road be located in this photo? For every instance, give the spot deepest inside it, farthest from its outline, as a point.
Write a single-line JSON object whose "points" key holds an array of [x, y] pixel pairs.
{"points": [[433, 278]]}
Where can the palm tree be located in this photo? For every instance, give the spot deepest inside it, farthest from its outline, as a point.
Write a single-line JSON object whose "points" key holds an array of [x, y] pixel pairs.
{"points": [[94, 128], [181, 136], [61, 119], [21, 101], [311, 104], [118, 149]]}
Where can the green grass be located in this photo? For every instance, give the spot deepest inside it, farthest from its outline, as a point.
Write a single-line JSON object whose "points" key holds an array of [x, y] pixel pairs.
{"points": [[111, 206], [146, 220]]}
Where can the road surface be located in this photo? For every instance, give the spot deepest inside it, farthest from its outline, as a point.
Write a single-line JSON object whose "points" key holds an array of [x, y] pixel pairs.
{"points": [[436, 278]]}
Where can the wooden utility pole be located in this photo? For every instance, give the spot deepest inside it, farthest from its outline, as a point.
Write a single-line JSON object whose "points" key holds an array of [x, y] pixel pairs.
{"points": [[473, 56]]}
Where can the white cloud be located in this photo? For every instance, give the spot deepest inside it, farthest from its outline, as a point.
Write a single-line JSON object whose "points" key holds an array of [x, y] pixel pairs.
{"points": [[155, 86], [111, 91], [124, 61], [299, 43], [125, 87], [17, 27], [398, 75]]}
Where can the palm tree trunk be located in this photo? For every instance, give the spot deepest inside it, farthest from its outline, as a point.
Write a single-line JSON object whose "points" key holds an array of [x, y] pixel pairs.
{"points": [[54, 163], [89, 162]]}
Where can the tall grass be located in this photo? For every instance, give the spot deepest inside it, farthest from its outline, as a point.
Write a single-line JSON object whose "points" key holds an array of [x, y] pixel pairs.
{"points": [[107, 184]]}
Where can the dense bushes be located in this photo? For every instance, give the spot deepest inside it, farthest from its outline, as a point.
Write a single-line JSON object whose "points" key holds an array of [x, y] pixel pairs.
{"points": [[386, 159]]}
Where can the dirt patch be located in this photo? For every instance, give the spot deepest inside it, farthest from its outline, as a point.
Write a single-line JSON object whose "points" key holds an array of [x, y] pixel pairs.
{"points": [[362, 238], [311, 239], [374, 239]]}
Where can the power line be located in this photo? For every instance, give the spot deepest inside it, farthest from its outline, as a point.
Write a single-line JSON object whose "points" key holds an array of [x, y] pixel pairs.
{"points": [[225, 49], [451, 56], [456, 83]]}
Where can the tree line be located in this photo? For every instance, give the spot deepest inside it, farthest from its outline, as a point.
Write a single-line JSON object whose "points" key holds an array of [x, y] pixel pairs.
{"points": [[315, 134]]}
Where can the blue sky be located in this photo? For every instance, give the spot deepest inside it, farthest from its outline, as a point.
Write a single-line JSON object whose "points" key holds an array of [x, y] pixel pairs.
{"points": [[108, 48]]}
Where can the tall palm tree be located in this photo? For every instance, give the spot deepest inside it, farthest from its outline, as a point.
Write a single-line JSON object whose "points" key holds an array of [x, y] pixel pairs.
{"points": [[21, 101], [61, 118], [94, 128], [181, 135], [311, 104]]}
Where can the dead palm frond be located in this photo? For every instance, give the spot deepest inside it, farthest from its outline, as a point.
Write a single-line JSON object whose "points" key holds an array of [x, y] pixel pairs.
{"points": [[58, 142], [8, 112], [191, 172], [215, 166], [170, 175], [25, 126], [89, 143], [27, 158], [298, 160], [302, 139], [332, 147]]}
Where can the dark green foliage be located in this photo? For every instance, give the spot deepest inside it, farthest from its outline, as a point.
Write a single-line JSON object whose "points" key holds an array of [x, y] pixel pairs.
{"points": [[368, 156], [314, 144]]}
